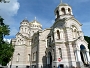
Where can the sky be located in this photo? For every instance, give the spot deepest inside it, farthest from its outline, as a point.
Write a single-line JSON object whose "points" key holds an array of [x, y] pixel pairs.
{"points": [[17, 10]]}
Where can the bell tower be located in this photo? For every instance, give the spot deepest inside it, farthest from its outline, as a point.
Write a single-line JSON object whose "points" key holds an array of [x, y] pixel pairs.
{"points": [[63, 10]]}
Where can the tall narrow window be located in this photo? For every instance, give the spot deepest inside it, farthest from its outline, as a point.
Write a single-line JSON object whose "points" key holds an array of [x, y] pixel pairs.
{"points": [[29, 57], [49, 41], [61, 35], [22, 29], [74, 33], [57, 12], [69, 10], [58, 34], [60, 52], [18, 57], [63, 10], [25, 30], [34, 56]]}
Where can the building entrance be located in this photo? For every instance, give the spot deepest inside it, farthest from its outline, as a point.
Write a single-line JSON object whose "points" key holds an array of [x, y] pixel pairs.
{"points": [[83, 54], [49, 60]]}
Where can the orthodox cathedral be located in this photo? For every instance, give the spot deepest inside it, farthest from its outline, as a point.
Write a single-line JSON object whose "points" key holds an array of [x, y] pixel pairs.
{"points": [[62, 45]]}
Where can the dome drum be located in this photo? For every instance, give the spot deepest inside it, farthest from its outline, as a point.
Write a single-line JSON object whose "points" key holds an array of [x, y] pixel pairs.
{"points": [[63, 10]]}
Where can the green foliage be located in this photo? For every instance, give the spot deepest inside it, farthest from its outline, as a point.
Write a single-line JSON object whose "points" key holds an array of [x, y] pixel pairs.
{"points": [[6, 49], [88, 41], [6, 52]]}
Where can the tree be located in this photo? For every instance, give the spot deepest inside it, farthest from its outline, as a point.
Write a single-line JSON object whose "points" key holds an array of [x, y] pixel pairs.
{"points": [[6, 49], [88, 41]]}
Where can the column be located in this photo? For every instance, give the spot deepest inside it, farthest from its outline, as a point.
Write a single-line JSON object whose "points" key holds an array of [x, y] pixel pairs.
{"points": [[85, 57], [78, 56], [87, 54]]}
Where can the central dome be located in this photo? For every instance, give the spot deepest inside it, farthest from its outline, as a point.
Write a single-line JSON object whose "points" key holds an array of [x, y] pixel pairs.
{"points": [[35, 24], [63, 4]]}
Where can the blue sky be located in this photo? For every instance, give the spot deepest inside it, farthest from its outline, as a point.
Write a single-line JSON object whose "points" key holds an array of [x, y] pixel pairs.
{"points": [[17, 10]]}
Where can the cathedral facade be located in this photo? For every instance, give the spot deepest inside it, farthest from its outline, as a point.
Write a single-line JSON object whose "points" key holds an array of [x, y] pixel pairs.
{"points": [[62, 44]]}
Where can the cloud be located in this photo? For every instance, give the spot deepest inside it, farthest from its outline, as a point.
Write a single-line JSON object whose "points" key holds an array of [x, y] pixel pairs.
{"points": [[8, 11], [7, 40]]}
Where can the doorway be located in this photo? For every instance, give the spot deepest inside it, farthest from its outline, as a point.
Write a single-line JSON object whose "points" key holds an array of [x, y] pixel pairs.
{"points": [[83, 54], [49, 62]]}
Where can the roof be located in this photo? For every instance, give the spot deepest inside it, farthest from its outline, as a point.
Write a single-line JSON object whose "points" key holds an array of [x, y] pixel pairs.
{"points": [[35, 22], [63, 4], [25, 20]]}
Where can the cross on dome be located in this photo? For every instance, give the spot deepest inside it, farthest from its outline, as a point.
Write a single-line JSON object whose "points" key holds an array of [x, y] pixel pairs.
{"points": [[60, 1], [35, 17]]}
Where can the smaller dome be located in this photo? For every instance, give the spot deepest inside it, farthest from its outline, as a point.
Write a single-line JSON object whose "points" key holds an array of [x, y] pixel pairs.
{"points": [[25, 20], [35, 23], [63, 4]]}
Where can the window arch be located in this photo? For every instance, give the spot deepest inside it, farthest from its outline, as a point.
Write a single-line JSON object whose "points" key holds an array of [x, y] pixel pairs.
{"points": [[18, 57], [60, 52], [69, 10], [57, 12], [82, 47], [74, 32], [25, 29], [58, 34], [22, 29], [63, 10]]}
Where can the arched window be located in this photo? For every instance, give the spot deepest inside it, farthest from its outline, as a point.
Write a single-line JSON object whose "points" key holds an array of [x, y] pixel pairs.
{"points": [[69, 10], [63, 10], [29, 57], [74, 33], [20, 42], [57, 12], [22, 29], [60, 52], [61, 35], [58, 34], [18, 57], [25, 29]]}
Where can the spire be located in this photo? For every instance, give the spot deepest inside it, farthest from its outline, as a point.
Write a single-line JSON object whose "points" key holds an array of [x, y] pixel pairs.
{"points": [[35, 17], [60, 1], [25, 18]]}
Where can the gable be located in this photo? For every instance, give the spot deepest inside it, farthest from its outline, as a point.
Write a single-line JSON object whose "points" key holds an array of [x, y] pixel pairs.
{"points": [[73, 22]]}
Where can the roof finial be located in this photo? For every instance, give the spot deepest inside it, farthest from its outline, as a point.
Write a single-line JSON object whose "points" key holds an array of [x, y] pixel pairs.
{"points": [[25, 18], [35, 17], [60, 1]]}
